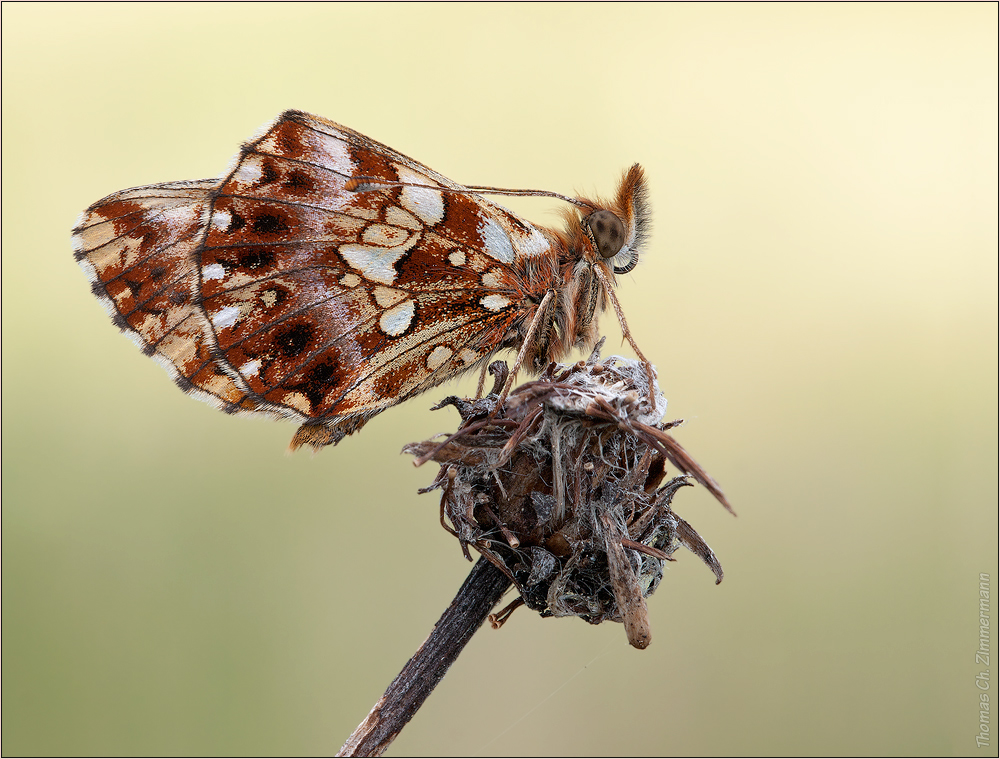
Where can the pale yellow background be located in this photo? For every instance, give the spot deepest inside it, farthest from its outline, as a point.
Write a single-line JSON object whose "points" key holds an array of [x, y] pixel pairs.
{"points": [[819, 295]]}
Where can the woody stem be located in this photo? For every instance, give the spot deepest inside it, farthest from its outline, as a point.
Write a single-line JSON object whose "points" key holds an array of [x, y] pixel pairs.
{"points": [[482, 589]]}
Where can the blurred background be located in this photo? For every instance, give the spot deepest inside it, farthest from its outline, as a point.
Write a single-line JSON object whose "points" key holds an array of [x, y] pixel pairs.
{"points": [[819, 296]]}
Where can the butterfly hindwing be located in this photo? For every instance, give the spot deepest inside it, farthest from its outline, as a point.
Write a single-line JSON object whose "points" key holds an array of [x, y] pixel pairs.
{"points": [[337, 304]]}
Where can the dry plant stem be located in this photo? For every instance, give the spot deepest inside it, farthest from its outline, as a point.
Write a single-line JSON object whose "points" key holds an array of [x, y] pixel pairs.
{"points": [[481, 591]]}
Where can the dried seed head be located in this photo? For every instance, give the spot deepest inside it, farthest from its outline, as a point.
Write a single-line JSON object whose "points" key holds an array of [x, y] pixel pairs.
{"points": [[564, 490]]}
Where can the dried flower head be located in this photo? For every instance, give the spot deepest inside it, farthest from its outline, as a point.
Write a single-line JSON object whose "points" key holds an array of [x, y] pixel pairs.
{"points": [[564, 488]]}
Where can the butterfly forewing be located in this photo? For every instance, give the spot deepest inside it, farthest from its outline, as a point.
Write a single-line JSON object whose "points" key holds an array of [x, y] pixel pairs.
{"points": [[138, 248]]}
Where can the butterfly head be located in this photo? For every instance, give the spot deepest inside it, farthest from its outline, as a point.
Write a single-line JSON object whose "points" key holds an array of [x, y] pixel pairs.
{"points": [[618, 230]]}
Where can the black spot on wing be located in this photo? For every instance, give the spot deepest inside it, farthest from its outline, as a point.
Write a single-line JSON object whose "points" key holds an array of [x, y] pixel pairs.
{"points": [[299, 183], [269, 224], [292, 341], [268, 173], [318, 381], [257, 258]]}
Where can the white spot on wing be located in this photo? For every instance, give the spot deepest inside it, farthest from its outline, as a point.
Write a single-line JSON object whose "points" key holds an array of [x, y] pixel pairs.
{"points": [[387, 296], [249, 170], [468, 356], [177, 219], [250, 368], [396, 320], [426, 204], [225, 317], [350, 280], [457, 258], [495, 302], [438, 356], [530, 242], [383, 235], [221, 219], [336, 156], [399, 218], [496, 244], [213, 271], [376, 263], [492, 279]]}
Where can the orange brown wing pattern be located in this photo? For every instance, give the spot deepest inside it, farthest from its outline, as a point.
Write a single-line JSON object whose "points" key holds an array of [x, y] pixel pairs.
{"points": [[275, 290], [138, 248]]}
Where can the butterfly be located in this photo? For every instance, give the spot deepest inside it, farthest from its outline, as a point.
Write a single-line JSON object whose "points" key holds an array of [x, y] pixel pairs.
{"points": [[326, 277]]}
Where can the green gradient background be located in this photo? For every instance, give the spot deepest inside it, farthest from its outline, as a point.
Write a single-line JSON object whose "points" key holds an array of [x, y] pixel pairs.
{"points": [[820, 298]]}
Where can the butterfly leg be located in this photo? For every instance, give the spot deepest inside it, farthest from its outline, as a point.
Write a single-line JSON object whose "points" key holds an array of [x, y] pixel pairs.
{"points": [[527, 345], [482, 381], [609, 291]]}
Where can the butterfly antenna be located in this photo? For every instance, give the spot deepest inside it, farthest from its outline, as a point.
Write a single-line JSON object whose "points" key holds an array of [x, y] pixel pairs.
{"points": [[368, 184]]}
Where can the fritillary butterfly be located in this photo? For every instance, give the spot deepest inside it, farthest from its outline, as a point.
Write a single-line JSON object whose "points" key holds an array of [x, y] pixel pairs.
{"points": [[325, 277]]}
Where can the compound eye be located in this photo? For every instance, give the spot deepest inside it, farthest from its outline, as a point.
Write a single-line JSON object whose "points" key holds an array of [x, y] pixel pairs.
{"points": [[608, 231]]}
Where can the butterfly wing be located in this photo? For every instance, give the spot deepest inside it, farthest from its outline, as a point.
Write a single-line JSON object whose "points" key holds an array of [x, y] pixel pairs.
{"points": [[138, 248], [276, 290], [331, 305]]}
